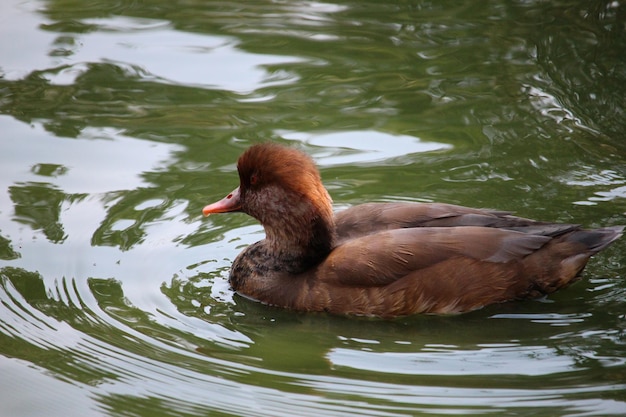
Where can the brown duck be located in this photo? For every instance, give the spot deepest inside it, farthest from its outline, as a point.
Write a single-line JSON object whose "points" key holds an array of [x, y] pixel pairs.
{"points": [[389, 259]]}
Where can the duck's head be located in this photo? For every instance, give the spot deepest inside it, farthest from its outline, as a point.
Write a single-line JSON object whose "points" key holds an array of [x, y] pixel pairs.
{"points": [[281, 187]]}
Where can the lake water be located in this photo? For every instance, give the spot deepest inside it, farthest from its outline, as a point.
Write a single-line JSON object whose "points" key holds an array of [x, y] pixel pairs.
{"points": [[121, 120]]}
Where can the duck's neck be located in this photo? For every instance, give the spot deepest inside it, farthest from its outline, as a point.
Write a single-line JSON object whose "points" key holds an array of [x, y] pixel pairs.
{"points": [[300, 243], [299, 235]]}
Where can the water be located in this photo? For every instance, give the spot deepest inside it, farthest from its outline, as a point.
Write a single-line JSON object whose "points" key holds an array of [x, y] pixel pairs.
{"points": [[121, 120]]}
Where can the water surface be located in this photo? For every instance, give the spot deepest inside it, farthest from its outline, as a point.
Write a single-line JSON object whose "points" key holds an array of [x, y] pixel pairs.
{"points": [[121, 120]]}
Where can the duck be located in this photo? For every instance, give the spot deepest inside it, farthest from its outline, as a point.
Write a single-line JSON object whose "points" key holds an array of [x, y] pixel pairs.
{"points": [[389, 259]]}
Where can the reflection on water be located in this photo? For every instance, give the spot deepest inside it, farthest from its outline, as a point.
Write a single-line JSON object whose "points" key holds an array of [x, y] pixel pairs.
{"points": [[140, 44], [39, 205], [365, 147], [497, 360], [122, 120], [607, 184]]}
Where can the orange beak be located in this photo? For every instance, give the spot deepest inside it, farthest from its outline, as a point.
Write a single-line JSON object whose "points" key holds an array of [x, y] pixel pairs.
{"points": [[225, 205]]}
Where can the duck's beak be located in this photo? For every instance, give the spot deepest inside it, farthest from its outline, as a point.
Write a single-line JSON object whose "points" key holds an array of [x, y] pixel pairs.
{"points": [[227, 204]]}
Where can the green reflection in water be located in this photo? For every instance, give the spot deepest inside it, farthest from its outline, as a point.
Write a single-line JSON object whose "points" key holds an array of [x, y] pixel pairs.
{"points": [[39, 205]]}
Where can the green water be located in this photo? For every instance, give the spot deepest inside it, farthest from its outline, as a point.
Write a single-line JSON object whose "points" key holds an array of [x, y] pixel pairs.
{"points": [[121, 120]]}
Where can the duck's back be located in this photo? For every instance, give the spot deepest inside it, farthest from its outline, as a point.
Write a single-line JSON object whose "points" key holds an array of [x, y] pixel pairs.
{"points": [[370, 218]]}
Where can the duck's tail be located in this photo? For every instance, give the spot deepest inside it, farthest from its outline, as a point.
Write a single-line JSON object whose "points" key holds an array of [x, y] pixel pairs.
{"points": [[573, 248], [596, 239]]}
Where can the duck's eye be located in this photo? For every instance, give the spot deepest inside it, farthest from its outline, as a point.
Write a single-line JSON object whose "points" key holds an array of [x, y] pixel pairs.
{"points": [[254, 178]]}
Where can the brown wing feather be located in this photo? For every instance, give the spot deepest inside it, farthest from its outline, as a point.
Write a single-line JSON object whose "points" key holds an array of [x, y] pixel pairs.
{"points": [[382, 258]]}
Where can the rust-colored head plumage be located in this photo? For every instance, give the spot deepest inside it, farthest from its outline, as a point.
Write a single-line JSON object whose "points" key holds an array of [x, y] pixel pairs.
{"points": [[272, 164]]}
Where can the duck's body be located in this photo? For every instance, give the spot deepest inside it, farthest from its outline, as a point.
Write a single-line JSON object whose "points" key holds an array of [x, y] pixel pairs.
{"points": [[390, 259]]}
